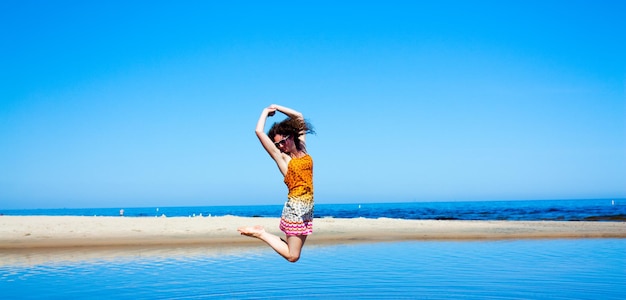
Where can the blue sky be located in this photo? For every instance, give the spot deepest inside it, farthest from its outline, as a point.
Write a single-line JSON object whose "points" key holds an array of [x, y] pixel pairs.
{"points": [[149, 103]]}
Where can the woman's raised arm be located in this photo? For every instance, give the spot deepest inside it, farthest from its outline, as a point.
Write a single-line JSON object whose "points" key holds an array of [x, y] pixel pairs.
{"points": [[292, 113], [267, 143]]}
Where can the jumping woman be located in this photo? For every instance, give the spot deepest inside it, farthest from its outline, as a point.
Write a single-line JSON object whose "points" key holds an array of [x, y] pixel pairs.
{"points": [[285, 143]]}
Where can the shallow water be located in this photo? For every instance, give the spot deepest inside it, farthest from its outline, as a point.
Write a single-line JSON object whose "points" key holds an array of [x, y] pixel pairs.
{"points": [[526, 269]]}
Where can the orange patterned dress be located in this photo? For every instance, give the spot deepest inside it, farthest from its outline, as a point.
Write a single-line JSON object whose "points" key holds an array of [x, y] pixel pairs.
{"points": [[297, 216]]}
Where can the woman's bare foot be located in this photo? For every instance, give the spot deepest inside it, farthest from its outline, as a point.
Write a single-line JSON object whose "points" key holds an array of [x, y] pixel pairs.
{"points": [[253, 231]]}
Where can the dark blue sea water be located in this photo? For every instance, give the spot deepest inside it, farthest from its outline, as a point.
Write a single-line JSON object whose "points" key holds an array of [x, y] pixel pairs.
{"points": [[556, 210]]}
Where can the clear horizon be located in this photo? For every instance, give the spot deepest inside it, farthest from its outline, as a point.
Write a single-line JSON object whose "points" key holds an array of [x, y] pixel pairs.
{"points": [[149, 104]]}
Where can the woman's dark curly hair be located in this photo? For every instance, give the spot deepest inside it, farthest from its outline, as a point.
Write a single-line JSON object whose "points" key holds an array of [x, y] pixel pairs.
{"points": [[291, 127]]}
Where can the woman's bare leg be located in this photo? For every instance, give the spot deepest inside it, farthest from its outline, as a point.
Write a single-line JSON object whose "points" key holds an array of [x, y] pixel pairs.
{"points": [[289, 249]]}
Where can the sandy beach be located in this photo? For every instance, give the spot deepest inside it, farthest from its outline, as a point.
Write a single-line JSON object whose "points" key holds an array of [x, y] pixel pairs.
{"points": [[27, 232], [28, 240]]}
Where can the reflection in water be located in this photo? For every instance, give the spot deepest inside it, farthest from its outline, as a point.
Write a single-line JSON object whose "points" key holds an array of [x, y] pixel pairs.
{"points": [[57, 256], [553, 269]]}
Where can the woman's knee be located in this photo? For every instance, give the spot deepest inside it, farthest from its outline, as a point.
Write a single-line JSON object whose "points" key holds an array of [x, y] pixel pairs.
{"points": [[295, 243], [293, 258]]}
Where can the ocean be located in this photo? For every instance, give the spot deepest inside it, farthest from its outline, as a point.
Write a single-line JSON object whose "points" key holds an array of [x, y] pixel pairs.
{"points": [[509, 269], [536, 210]]}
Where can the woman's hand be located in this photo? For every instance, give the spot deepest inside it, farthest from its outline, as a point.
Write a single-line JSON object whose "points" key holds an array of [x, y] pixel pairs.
{"points": [[285, 110], [271, 110]]}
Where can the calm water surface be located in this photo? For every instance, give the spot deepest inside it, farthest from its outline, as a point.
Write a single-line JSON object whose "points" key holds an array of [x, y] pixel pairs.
{"points": [[527, 269]]}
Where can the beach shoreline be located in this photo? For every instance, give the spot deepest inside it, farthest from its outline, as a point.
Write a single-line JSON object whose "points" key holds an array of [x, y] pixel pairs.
{"points": [[24, 232], [33, 240]]}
